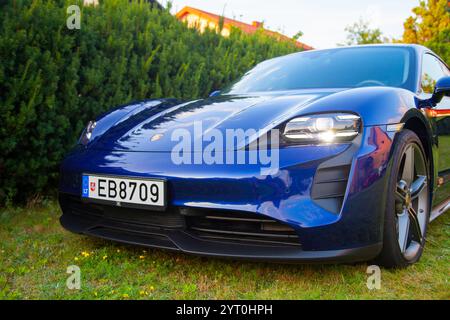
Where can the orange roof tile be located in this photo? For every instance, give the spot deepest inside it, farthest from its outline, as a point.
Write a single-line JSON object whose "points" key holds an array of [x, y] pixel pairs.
{"points": [[247, 28]]}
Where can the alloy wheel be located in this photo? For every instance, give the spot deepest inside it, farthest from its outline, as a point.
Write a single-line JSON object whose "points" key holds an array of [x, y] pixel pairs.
{"points": [[411, 201]]}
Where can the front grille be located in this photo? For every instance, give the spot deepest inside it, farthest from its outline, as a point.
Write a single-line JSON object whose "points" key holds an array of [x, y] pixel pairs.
{"points": [[241, 227], [169, 219], [212, 225]]}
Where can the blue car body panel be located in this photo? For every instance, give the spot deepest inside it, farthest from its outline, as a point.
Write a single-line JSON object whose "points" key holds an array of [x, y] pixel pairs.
{"points": [[121, 146], [284, 197]]}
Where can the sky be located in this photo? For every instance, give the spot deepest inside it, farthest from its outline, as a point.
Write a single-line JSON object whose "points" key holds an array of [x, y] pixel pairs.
{"points": [[321, 21]]}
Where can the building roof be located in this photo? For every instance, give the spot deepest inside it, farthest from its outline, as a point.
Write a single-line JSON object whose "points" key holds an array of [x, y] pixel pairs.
{"points": [[247, 28]]}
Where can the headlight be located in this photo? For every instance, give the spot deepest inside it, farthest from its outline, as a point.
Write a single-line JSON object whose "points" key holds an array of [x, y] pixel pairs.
{"points": [[323, 128], [87, 133]]}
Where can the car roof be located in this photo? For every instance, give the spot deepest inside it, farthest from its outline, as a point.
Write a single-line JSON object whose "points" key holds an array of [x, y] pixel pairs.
{"points": [[417, 47]]}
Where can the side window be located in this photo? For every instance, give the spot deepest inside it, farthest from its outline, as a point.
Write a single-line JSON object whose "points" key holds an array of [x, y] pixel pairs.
{"points": [[431, 73]]}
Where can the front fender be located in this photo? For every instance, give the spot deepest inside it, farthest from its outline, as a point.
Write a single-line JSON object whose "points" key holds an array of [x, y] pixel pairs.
{"points": [[376, 105]]}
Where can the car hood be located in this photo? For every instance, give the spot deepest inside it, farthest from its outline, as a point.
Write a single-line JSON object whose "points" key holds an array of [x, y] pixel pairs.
{"points": [[158, 128]]}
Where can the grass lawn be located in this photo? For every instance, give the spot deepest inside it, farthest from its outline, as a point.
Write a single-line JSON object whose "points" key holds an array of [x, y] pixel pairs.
{"points": [[35, 252]]}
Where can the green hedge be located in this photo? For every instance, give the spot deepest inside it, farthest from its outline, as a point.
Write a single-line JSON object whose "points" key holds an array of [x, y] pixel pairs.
{"points": [[53, 80]]}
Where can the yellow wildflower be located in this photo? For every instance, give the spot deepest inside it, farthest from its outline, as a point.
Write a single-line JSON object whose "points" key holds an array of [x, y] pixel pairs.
{"points": [[125, 296]]}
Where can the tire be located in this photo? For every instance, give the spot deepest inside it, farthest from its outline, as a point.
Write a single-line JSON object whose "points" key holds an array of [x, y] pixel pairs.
{"points": [[404, 234]]}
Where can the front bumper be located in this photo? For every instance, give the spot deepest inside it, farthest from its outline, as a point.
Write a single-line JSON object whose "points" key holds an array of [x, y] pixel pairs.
{"points": [[353, 233], [182, 239]]}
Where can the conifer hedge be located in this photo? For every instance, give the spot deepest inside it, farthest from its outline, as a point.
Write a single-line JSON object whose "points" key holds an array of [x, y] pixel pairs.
{"points": [[53, 80]]}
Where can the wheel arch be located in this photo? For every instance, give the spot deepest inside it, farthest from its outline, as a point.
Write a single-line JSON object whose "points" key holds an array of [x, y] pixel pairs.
{"points": [[416, 122]]}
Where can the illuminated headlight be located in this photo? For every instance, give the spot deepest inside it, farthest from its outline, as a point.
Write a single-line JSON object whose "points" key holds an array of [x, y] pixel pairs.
{"points": [[323, 128], [87, 133]]}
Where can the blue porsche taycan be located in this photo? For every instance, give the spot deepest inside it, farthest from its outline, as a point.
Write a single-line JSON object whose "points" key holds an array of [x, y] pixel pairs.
{"points": [[337, 155]]}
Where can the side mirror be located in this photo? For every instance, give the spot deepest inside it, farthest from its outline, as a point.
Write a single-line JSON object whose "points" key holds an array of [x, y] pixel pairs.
{"points": [[217, 92], [441, 89]]}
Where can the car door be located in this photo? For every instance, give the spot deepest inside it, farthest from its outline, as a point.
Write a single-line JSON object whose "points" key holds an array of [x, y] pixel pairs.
{"points": [[432, 70]]}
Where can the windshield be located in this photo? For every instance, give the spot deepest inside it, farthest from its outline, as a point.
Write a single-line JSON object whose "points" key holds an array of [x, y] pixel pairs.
{"points": [[334, 68]]}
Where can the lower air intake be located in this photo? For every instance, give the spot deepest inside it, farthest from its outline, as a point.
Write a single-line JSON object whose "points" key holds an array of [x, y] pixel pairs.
{"points": [[329, 187]]}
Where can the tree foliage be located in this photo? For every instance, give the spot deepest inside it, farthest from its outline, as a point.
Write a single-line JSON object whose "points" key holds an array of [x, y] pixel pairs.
{"points": [[430, 26], [53, 80], [361, 33]]}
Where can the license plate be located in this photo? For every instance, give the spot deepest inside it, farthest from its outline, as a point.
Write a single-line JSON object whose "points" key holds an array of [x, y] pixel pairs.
{"points": [[124, 191]]}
